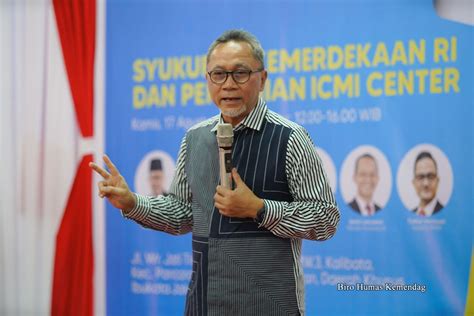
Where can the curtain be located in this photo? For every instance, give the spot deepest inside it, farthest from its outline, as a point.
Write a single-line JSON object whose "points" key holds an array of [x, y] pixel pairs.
{"points": [[45, 184], [39, 137], [73, 267]]}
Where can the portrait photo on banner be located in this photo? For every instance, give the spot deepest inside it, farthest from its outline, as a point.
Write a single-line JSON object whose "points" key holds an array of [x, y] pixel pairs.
{"points": [[365, 180], [154, 173], [425, 180]]}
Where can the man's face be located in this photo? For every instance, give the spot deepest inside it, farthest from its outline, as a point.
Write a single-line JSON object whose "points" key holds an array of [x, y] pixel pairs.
{"points": [[156, 182], [366, 177], [426, 180], [235, 100]]}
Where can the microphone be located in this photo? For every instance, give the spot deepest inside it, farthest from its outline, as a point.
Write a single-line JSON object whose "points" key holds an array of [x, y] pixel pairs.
{"points": [[225, 138]]}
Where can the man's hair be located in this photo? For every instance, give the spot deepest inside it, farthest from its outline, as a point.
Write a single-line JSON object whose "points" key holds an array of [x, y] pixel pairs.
{"points": [[423, 155], [155, 164], [364, 156], [239, 36]]}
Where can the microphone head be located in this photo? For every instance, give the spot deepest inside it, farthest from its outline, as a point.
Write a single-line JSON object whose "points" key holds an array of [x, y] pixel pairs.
{"points": [[225, 135]]}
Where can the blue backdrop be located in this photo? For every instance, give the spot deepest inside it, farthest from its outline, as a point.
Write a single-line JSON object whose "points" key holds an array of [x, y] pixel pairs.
{"points": [[389, 78]]}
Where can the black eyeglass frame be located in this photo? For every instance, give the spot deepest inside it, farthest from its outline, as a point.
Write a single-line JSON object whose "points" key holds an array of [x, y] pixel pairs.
{"points": [[227, 73]]}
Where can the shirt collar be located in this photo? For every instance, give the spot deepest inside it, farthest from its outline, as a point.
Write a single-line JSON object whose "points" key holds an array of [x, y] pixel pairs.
{"points": [[429, 208], [363, 204], [253, 120]]}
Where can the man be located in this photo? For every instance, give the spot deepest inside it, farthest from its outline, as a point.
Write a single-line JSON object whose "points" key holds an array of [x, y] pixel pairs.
{"points": [[246, 241], [426, 182], [366, 178], [156, 177]]}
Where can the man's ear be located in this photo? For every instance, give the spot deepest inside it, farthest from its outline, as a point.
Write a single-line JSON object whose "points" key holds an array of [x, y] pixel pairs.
{"points": [[263, 80]]}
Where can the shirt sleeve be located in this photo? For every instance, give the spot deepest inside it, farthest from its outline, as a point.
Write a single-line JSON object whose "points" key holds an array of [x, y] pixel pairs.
{"points": [[171, 213], [313, 213]]}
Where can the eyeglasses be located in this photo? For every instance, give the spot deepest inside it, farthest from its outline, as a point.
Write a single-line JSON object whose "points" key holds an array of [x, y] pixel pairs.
{"points": [[428, 176], [239, 76]]}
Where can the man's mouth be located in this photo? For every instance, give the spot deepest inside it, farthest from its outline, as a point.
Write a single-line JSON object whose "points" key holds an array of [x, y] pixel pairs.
{"points": [[230, 99]]}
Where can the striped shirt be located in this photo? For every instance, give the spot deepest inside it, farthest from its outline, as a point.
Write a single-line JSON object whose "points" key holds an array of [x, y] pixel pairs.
{"points": [[239, 261]]}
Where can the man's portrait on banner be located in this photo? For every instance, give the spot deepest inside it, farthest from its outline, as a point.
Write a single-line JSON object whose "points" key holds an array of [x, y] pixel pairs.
{"points": [[366, 180], [154, 173], [425, 180]]}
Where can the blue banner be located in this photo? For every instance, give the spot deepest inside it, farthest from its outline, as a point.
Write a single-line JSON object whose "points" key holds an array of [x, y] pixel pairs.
{"points": [[385, 90]]}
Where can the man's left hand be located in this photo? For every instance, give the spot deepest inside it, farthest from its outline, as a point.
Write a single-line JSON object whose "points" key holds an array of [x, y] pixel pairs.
{"points": [[240, 202]]}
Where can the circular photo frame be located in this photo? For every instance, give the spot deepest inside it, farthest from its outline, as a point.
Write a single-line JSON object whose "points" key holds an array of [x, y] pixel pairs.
{"points": [[406, 172], [348, 186], [155, 170]]}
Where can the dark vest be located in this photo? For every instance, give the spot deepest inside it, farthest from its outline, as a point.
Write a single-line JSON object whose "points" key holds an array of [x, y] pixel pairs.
{"points": [[235, 260]]}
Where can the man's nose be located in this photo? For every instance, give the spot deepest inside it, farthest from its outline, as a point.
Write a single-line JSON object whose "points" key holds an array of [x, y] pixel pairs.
{"points": [[229, 83], [426, 181]]}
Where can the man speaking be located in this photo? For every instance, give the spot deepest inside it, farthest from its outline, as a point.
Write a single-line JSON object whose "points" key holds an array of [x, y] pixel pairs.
{"points": [[246, 239]]}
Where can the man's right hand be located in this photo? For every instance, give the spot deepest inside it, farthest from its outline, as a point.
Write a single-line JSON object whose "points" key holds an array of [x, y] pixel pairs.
{"points": [[114, 187]]}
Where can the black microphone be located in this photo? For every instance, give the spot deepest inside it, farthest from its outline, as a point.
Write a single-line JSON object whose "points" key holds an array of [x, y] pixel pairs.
{"points": [[225, 138]]}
